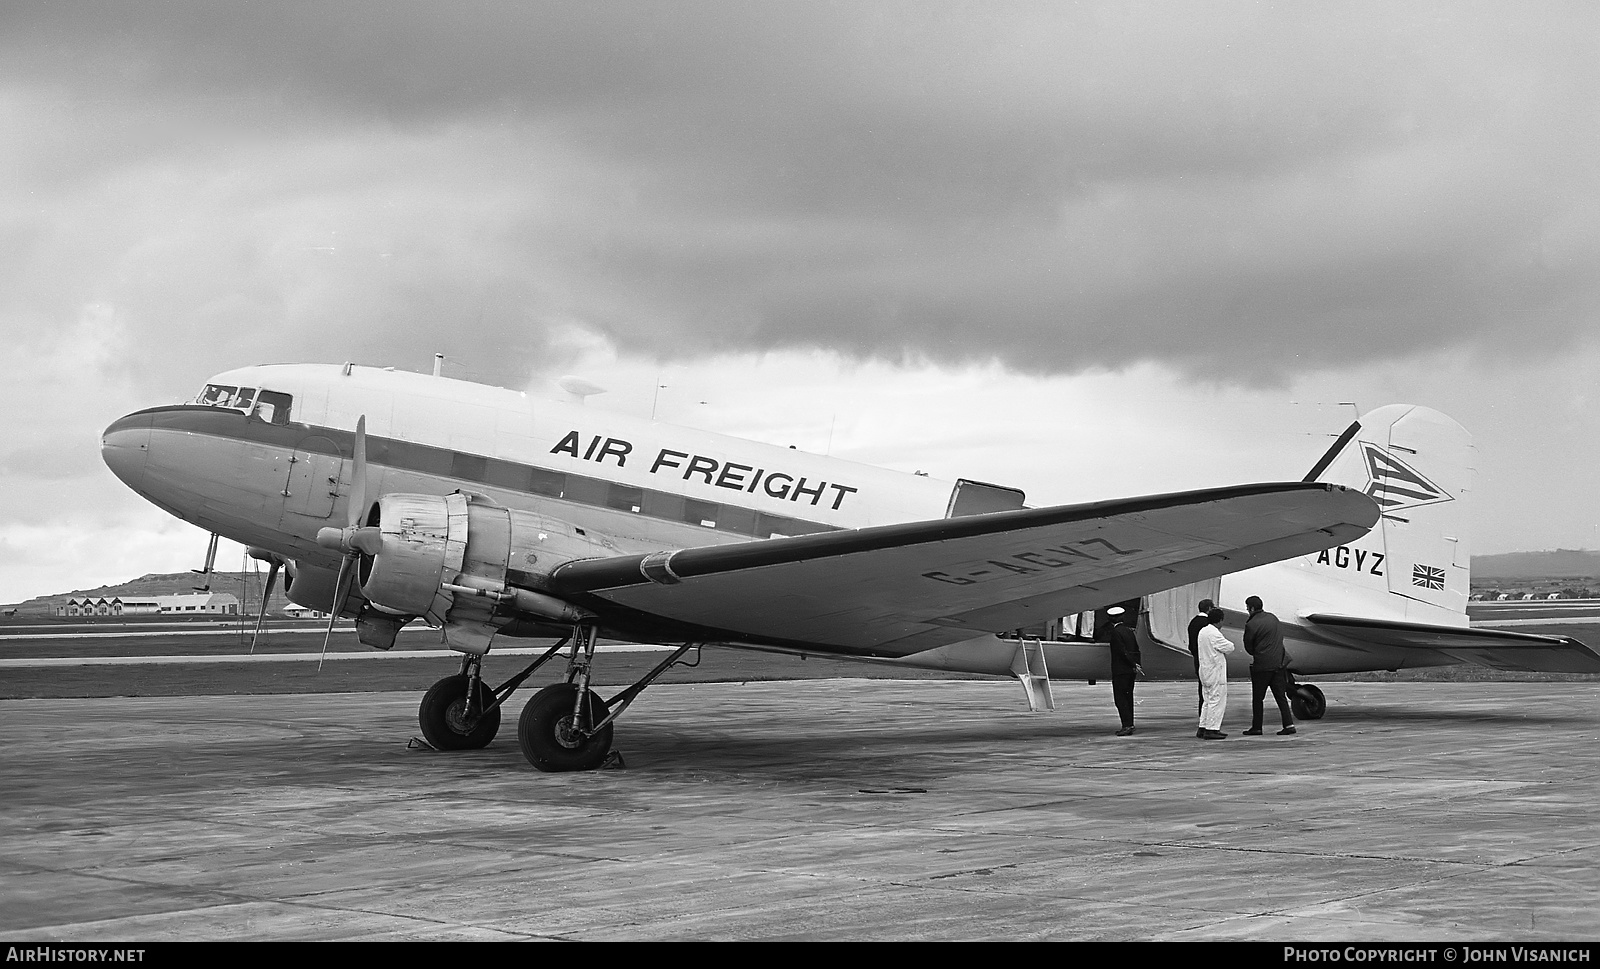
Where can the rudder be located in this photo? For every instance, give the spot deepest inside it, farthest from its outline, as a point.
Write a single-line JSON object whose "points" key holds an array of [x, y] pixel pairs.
{"points": [[1418, 465]]}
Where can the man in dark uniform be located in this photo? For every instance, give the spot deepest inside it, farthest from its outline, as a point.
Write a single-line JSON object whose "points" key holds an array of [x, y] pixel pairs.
{"points": [[1125, 668], [1199, 622], [1269, 666]]}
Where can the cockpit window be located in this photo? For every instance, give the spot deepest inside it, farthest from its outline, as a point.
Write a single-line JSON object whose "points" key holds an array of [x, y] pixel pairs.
{"points": [[216, 395], [267, 405], [273, 407]]}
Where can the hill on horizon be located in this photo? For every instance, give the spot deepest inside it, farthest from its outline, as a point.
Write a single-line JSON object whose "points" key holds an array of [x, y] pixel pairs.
{"points": [[244, 585], [1563, 562]]}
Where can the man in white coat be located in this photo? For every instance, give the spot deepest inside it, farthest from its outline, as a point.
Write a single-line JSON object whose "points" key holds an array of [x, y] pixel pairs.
{"points": [[1212, 652]]}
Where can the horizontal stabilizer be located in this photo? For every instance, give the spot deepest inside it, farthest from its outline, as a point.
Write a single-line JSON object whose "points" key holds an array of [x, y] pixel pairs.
{"points": [[1492, 648]]}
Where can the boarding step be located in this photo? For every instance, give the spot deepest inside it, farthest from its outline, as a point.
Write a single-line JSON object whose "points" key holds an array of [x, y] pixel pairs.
{"points": [[1028, 666]]}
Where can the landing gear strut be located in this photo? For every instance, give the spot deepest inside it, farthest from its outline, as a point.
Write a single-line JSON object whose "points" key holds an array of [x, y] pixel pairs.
{"points": [[449, 722], [565, 726], [459, 712], [558, 730], [1307, 702]]}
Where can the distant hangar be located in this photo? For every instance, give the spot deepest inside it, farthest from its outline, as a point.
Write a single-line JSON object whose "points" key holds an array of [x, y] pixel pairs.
{"points": [[205, 603]]}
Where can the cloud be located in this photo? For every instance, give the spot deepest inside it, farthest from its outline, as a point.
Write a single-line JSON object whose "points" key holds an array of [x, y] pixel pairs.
{"points": [[1055, 189], [1217, 205]]}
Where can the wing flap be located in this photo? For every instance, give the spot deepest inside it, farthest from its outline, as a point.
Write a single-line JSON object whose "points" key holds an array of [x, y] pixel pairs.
{"points": [[1492, 648], [898, 589]]}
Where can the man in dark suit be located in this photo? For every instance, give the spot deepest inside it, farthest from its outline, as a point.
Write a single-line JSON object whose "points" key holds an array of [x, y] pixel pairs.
{"points": [[1269, 666], [1200, 621], [1125, 668]]}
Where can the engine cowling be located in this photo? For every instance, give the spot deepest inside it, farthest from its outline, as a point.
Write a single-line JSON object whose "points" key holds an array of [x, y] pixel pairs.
{"points": [[453, 558], [314, 587]]}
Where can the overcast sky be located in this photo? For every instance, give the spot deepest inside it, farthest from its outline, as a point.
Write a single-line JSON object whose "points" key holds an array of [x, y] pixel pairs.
{"points": [[1092, 249]]}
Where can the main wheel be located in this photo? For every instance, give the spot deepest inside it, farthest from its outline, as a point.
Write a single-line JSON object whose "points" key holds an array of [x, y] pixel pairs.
{"points": [[1307, 702], [551, 740], [442, 716]]}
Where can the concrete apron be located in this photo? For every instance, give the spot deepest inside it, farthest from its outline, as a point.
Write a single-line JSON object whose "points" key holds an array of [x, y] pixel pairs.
{"points": [[824, 809]]}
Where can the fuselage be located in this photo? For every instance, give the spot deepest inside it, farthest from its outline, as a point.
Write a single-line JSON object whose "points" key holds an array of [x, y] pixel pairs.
{"points": [[262, 456]]}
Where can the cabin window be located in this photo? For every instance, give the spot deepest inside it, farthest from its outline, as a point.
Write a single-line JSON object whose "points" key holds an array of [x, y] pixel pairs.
{"points": [[780, 526], [735, 519], [659, 504], [508, 475], [587, 491], [552, 484], [700, 513], [625, 497], [468, 467]]}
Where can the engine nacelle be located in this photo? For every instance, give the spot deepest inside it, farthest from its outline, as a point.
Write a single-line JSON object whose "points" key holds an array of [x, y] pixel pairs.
{"points": [[314, 587], [458, 553]]}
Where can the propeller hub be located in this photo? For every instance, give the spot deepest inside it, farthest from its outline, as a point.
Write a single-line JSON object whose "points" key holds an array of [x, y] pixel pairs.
{"points": [[368, 539]]}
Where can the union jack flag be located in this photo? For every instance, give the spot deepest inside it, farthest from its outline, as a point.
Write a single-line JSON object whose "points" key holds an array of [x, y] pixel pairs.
{"points": [[1428, 577]]}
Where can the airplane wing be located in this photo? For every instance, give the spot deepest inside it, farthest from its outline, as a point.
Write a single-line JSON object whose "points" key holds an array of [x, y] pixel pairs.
{"points": [[1493, 648], [893, 590]]}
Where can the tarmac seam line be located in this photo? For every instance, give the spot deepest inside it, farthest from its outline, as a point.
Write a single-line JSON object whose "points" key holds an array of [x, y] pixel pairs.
{"points": [[1481, 865]]}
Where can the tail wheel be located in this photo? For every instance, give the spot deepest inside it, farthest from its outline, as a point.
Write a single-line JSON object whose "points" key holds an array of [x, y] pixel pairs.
{"points": [[443, 719], [1308, 703], [553, 740]]}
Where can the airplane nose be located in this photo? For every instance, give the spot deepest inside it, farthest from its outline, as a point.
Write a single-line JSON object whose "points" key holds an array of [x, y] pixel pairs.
{"points": [[125, 445]]}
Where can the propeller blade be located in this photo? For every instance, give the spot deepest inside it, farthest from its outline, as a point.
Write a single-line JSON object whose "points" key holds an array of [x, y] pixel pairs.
{"points": [[341, 589], [358, 475], [367, 540], [266, 596]]}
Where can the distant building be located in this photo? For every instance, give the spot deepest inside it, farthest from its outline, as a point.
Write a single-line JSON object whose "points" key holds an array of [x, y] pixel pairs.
{"points": [[198, 604], [298, 611], [91, 606]]}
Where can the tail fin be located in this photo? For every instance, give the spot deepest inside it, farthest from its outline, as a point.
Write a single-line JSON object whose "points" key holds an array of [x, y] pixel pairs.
{"points": [[1418, 465]]}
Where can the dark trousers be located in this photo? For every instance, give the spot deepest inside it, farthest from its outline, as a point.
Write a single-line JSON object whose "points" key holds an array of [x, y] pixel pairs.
{"points": [[1199, 689], [1122, 692], [1278, 681]]}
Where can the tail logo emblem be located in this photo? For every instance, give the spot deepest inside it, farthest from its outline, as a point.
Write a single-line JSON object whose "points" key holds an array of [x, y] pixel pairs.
{"points": [[1393, 484]]}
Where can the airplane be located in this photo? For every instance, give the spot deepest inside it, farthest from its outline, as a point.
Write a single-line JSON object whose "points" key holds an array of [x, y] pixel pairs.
{"points": [[1393, 599], [391, 497]]}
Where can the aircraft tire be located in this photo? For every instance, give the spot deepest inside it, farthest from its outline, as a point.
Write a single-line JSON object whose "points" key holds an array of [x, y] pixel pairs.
{"points": [[540, 731], [439, 716], [1308, 703]]}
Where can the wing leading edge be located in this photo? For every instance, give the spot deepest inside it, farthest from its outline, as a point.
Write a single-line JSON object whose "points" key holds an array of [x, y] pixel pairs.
{"points": [[893, 590], [1492, 648]]}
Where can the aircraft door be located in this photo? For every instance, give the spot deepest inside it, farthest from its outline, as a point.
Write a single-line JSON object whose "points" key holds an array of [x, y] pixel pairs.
{"points": [[1169, 612], [313, 483]]}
